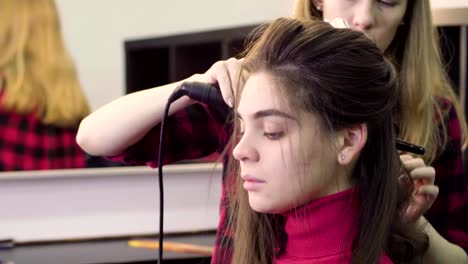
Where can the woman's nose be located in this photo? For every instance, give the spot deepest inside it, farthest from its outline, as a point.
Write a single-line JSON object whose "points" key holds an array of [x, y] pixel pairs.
{"points": [[245, 150], [364, 16]]}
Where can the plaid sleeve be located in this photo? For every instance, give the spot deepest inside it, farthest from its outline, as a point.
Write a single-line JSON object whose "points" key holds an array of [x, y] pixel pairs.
{"points": [[449, 213], [193, 132]]}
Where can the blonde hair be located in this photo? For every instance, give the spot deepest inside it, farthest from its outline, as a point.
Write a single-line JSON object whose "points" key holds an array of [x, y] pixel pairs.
{"points": [[40, 75], [423, 79]]}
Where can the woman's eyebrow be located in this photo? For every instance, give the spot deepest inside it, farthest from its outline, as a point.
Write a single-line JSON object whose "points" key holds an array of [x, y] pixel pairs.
{"points": [[268, 112]]}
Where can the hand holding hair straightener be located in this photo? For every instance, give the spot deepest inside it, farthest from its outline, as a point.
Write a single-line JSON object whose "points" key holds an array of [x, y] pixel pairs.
{"points": [[204, 93]]}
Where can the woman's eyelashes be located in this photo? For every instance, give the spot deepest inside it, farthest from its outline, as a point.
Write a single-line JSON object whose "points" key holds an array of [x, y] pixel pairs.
{"points": [[388, 3], [272, 130], [240, 135], [274, 135], [269, 135]]}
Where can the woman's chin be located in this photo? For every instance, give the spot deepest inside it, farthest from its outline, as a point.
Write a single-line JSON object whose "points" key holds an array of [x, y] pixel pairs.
{"points": [[265, 206]]}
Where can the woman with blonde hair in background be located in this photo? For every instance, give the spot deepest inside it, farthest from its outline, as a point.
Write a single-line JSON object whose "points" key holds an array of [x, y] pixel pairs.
{"points": [[41, 100], [429, 112]]}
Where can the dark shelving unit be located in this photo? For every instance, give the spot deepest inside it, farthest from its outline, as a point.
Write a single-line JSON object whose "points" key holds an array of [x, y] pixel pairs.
{"points": [[156, 61]]}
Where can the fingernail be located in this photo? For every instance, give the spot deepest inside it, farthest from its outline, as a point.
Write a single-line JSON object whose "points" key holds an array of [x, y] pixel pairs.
{"points": [[229, 102]]}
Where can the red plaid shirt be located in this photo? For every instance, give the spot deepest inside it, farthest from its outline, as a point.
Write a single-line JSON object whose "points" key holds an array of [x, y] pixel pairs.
{"points": [[449, 213], [194, 132], [27, 144]]}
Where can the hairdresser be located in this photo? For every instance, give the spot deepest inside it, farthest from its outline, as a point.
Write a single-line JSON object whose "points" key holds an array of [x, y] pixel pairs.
{"points": [[429, 112]]}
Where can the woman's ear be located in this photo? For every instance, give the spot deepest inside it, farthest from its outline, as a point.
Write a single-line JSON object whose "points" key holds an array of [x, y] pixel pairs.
{"points": [[351, 142]]}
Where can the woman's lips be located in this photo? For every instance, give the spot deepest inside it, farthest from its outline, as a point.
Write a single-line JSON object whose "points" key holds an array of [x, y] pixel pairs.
{"points": [[252, 183]]}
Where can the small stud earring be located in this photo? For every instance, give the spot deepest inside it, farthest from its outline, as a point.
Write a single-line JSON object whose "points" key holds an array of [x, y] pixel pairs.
{"points": [[342, 157], [319, 8]]}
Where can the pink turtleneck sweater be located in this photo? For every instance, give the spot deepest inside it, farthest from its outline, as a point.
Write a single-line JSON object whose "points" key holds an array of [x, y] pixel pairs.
{"points": [[322, 231]]}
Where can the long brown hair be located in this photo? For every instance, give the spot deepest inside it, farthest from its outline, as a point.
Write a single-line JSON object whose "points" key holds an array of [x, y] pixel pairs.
{"points": [[316, 67], [40, 75], [423, 79]]}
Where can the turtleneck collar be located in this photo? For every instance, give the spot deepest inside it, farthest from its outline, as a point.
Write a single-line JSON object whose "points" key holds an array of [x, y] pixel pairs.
{"points": [[323, 227]]}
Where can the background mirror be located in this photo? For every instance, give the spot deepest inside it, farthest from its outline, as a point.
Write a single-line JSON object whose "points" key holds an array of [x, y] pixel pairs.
{"points": [[121, 46]]}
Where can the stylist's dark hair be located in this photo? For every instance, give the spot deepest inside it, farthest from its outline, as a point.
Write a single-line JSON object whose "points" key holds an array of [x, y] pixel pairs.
{"points": [[341, 77]]}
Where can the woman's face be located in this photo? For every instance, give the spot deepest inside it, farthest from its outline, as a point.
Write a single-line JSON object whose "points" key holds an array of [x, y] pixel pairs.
{"points": [[378, 19], [277, 171]]}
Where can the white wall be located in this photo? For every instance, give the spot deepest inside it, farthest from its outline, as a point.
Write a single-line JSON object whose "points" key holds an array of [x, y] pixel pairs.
{"points": [[95, 30]]}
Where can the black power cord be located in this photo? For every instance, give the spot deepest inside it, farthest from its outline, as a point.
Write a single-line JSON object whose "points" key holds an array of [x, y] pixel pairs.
{"points": [[201, 92]]}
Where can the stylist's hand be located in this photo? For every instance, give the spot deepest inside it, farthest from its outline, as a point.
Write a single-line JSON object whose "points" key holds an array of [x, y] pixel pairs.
{"points": [[425, 192], [228, 75]]}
